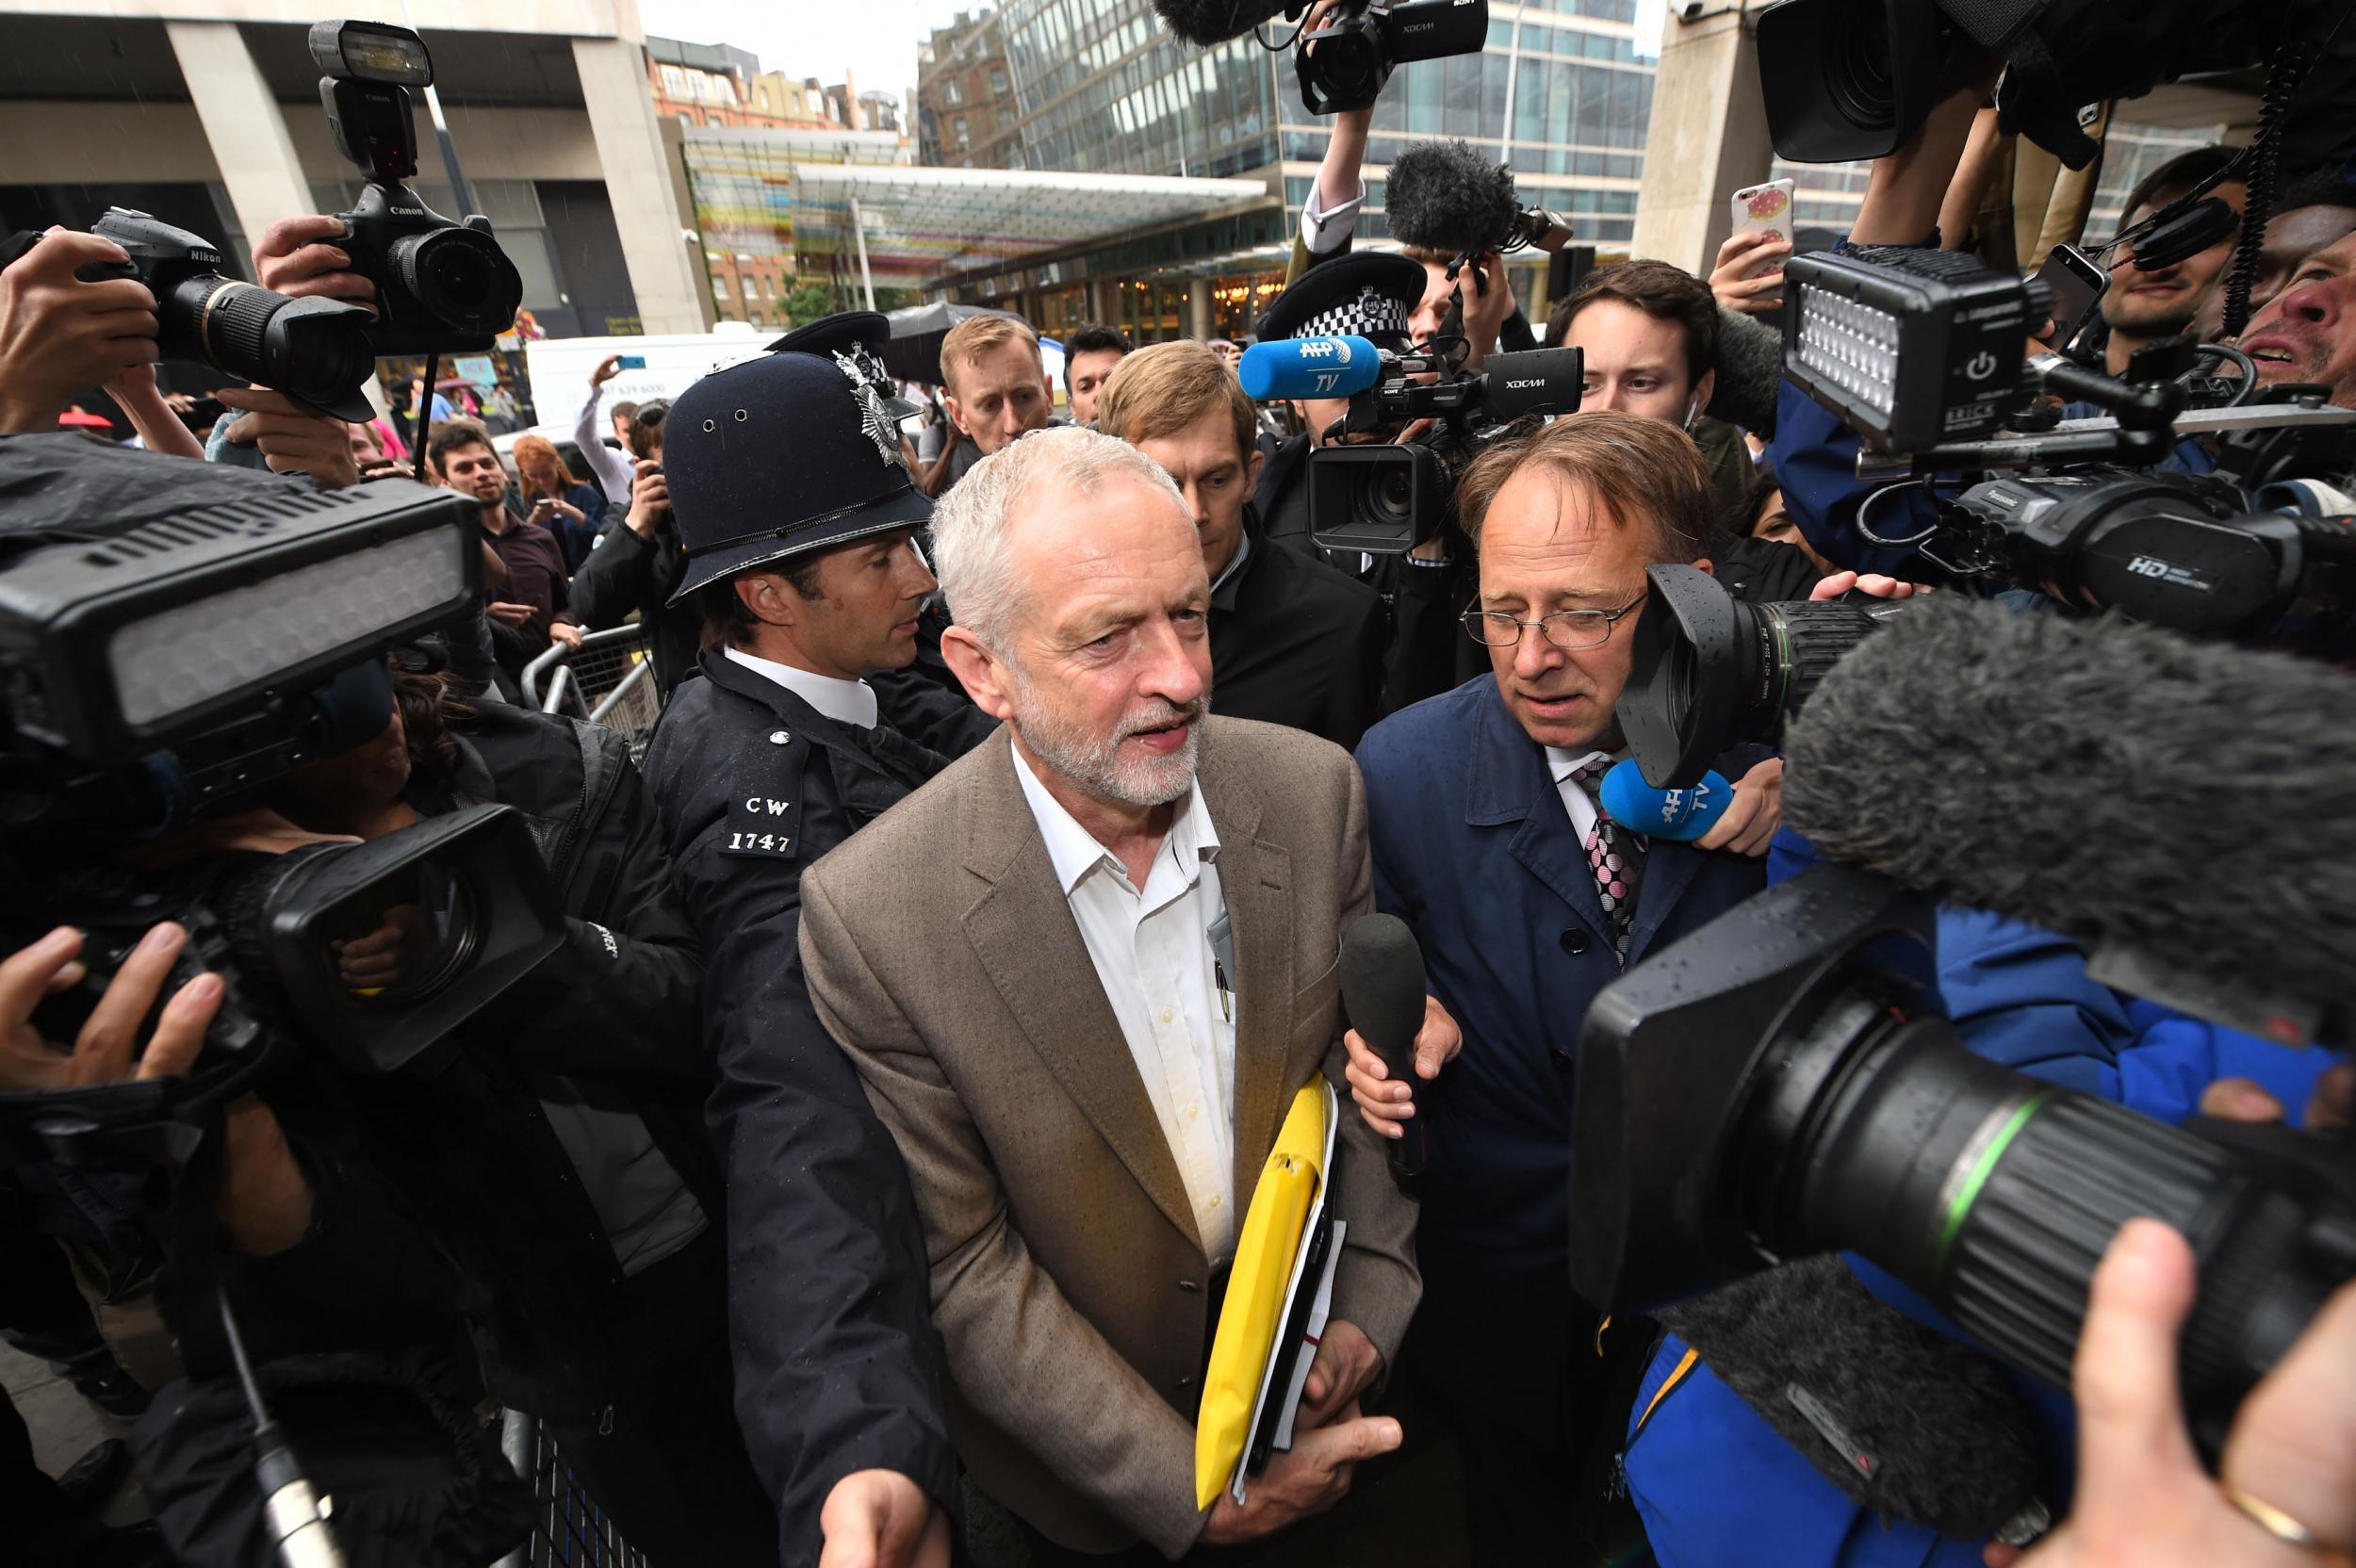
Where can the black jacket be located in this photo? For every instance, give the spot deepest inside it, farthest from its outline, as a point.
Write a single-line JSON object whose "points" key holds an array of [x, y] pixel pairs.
{"points": [[838, 1368], [625, 573], [464, 1135], [1294, 642]]}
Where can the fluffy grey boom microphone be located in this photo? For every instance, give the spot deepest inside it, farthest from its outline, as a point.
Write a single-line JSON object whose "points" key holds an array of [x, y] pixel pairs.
{"points": [[1443, 196], [1204, 22], [2184, 810], [1907, 1422]]}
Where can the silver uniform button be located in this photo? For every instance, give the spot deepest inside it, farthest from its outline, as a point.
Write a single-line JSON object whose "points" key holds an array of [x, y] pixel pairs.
{"points": [[779, 738]]}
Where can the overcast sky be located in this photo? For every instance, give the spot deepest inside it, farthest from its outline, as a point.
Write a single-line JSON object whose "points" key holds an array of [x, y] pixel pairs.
{"points": [[876, 39]]}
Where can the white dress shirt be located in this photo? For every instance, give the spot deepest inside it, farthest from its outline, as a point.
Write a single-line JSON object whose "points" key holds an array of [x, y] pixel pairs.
{"points": [[1575, 800], [851, 702], [1152, 950]]}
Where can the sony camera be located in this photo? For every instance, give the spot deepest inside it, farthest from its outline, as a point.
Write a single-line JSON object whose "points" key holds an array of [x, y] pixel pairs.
{"points": [[1388, 498], [1344, 64], [441, 287], [316, 352], [1782, 1083]]}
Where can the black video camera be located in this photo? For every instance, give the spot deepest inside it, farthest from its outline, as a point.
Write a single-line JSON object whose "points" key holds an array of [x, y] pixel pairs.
{"points": [[1782, 1084], [163, 665], [1363, 41], [1389, 497], [441, 287], [316, 352], [1854, 78]]}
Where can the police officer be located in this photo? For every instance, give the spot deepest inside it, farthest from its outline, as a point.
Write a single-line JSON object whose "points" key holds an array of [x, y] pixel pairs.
{"points": [[638, 561], [796, 516]]}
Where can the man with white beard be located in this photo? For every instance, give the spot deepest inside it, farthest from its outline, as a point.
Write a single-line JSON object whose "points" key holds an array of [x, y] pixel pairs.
{"points": [[1083, 973]]}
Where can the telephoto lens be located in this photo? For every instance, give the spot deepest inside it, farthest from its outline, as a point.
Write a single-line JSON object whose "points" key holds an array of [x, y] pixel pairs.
{"points": [[1781, 1083], [1707, 672], [316, 352]]}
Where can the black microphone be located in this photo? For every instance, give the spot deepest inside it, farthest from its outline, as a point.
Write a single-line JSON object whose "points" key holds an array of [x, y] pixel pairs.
{"points": [[1205, 22], [1444, 196], [1909, 1423], [1382, 999], [2177, 808]]}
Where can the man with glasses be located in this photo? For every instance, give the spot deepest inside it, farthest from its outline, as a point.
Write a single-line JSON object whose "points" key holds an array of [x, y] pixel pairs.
{"points": [[1528, 901]]}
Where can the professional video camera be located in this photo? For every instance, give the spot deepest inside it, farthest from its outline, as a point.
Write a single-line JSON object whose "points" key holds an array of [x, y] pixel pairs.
{"points": [[1914, 348], [162, 661], [1344, 64], [1389, 497], [1854, 78], [1782, 1084]]}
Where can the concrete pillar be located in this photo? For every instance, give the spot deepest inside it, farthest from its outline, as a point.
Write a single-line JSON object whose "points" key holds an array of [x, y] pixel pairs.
{"points": [[1198, 308], [666, 271], [247, 133], [1708, 140]]}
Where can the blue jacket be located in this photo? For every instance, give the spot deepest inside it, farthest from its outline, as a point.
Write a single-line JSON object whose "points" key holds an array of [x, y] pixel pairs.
{"points": [[1474, 850], [1714, 1482]]}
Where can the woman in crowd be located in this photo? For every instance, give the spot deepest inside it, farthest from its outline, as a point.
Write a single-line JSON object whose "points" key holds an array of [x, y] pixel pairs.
{"points": [[564, 504]]}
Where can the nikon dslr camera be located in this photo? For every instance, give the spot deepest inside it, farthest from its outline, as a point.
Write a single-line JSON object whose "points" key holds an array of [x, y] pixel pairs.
{"points": [[441, 287]]}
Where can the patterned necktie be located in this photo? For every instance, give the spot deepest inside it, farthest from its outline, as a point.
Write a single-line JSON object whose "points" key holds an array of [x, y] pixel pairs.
{"points": [[1616, 856]]}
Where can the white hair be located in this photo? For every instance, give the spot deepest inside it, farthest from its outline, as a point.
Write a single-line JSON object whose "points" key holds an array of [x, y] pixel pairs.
{"points": [[973, 524]]}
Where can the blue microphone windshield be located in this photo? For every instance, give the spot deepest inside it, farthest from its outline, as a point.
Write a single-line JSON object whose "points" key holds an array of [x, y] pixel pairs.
{"points": [[1309, 368], [1680, 815]]}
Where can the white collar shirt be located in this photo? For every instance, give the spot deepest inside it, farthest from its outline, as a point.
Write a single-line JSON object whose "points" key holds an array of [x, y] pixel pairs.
{"points": [[851, 702], [1152, 951], [1575, 800]]}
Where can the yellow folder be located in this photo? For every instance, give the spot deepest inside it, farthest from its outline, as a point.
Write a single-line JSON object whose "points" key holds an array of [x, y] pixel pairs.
{"points": [[1257, 1287]]}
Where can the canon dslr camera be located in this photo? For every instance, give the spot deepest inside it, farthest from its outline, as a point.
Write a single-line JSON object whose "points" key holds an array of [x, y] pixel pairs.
{"points": [[441, 287]]}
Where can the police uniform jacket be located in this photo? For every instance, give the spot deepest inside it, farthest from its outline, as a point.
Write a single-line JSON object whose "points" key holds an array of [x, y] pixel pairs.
{"points": [[838, 1366]]}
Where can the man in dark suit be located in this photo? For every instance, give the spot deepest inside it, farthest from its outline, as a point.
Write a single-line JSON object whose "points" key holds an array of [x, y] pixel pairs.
{"points": [[1527, 901], [1294, 641]]}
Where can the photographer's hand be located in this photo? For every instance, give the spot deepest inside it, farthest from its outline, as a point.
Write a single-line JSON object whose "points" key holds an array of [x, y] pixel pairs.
{"points": [[59, 334], [1754, 814], [1872, 584], [1905, 189], [881, 1519], [151, 413], [1382, 1102], [649, 498], [1730, 280], [265, 1202], [1488, 301], [608, 367], [2142, 1497], [292, 439], [296, 256]]}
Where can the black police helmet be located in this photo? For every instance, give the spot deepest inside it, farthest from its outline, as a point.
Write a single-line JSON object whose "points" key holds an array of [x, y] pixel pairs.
{"points": [[781, 455]]}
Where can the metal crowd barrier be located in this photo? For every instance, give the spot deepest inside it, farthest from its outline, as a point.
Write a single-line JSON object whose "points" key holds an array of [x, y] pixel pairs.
{"points": [[611, 675], [567, 1528]]}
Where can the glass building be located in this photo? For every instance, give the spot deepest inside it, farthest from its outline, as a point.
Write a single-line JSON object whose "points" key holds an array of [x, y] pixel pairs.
{"points": [[1562, 93]]}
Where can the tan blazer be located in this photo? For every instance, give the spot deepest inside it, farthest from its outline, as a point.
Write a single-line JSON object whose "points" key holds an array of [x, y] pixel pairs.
{"points": [[1068, 1279]]}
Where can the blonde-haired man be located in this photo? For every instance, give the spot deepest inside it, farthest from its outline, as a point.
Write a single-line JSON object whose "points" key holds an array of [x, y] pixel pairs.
{"points": [[997, 389], [1294, 642]]}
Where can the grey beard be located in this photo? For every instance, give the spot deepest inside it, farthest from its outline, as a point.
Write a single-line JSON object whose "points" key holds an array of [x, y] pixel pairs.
{"points": [[1095, 764]]}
